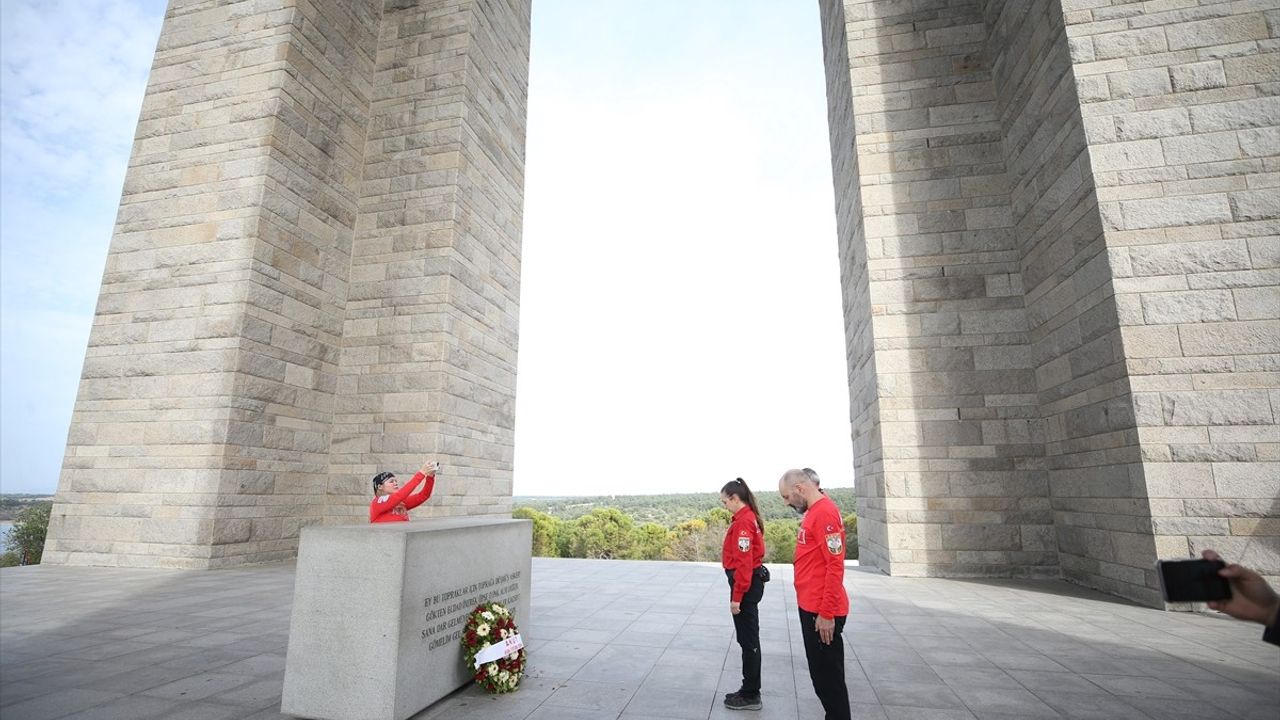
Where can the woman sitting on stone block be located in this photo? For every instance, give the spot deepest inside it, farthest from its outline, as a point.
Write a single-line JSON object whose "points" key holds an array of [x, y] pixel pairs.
{"points": [[392, 503]]}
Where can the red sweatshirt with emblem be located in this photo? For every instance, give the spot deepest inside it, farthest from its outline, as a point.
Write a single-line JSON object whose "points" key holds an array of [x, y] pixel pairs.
{"points": [[743, 551], [819, 563], [383, 509]]}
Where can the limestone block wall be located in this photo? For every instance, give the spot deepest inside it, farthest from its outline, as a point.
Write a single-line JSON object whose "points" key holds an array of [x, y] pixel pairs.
{"points": [[203, 409], [1069, 215], [312, 276], [485, 288], [965, 491], [429, 362], [1100, 508], [397, 317], [864, 408], [283, 395], [1182, 118]]}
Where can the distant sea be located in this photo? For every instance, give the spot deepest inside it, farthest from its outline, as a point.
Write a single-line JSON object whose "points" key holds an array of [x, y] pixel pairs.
{"points": [[4, 531]]}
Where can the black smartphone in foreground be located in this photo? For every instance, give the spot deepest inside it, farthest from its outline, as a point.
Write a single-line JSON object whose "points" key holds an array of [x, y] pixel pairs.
{"points": [[1192, 580]]}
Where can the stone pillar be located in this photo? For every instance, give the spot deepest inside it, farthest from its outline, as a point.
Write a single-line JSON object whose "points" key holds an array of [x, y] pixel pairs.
{"points": [[1100, 510], [947, 436], [868, 451], [1182, 122], [429, 361], [396, 597], [221, 405], [1069, 203]]}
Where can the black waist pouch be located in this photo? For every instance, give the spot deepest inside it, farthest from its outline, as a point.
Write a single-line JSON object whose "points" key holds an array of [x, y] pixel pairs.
{"points": [[762, 572]]}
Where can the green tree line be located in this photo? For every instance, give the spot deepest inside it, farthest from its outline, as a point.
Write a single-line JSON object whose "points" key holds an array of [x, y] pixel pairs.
{"points": [[13, 503], [583, 528], [610, 533], [24, 543], [673, 508]]}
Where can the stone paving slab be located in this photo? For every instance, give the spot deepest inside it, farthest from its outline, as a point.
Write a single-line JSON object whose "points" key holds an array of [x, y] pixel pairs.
{"points": [[636, 640]]}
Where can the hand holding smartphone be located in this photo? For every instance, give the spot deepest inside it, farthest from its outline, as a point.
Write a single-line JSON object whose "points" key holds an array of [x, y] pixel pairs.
{"points": [[1192, 580]]}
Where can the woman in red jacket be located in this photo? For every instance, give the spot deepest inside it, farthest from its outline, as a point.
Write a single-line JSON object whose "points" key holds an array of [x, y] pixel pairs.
{"points": [[392, 503], [743, 558]]}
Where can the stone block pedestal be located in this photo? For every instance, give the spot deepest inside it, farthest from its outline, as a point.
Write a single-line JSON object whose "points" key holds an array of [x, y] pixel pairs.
{"points": [[378, 611]]}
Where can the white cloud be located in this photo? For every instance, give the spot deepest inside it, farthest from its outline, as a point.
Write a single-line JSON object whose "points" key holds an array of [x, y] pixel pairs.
{"points": [[72, 78], [73, 75]]}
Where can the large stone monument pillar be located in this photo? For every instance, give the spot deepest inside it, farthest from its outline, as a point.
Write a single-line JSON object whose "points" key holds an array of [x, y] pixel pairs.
{"points": [[314, 275], [948, 442], [1059, 234], [1182, 121]]}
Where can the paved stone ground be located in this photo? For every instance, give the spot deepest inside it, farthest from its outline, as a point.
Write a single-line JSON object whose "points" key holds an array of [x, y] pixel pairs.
{"points": [[641, 640]]}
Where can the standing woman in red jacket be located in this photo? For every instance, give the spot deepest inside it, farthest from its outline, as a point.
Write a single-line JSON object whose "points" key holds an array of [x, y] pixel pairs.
{"points": [[392, 503], [743, 558]]}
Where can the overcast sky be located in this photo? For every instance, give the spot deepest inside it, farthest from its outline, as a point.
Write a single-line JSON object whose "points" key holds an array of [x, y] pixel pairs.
{"points": [[680, 310]]}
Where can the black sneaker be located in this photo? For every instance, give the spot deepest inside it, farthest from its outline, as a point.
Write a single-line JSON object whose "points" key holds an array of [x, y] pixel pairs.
{"points": [[736, 701]]}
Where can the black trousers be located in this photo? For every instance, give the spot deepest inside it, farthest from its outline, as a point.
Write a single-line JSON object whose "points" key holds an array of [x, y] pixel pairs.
{"points": [[826, 667], [747, 626]]}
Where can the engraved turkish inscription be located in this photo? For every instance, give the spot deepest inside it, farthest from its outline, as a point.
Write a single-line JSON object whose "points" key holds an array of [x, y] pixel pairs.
{"points": [[445, 613]]}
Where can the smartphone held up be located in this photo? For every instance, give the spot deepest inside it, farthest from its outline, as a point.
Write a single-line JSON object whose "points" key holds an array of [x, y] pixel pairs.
{"points": [[1192, 580]]}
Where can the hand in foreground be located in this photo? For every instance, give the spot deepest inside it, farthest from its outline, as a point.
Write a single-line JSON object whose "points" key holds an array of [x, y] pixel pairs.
{"points": [[826, 628], [1251, 597], [429, 468]]}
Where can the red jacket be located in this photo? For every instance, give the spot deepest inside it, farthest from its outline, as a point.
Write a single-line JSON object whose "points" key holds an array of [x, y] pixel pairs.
{"points": [[386, 508], [743, 551], [819, 571]]}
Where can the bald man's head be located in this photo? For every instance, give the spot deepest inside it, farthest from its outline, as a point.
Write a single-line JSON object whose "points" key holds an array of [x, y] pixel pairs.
{"points": [[796, 486]]}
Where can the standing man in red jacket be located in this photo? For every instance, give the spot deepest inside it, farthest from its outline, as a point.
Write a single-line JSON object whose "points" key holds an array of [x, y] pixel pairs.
{"points": [[392, 503], [820, 593]]}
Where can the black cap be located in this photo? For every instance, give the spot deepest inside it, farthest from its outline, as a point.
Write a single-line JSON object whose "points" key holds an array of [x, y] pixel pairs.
{"points": [[381, 478]]}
